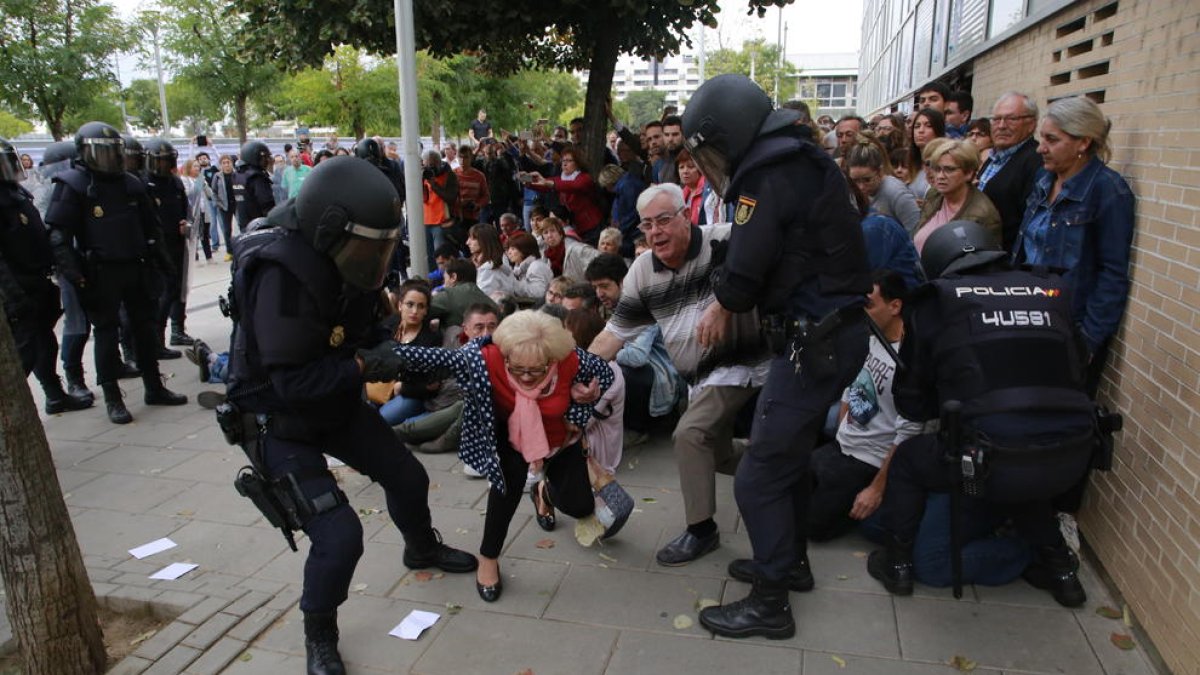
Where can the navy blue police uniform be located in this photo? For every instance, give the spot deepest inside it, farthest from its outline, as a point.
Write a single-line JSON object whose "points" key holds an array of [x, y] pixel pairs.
{"points": [[252, 194], [171, 205]]}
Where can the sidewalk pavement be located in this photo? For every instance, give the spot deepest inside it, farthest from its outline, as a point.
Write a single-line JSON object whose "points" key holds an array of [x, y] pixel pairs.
{"points": [[565, 609]]}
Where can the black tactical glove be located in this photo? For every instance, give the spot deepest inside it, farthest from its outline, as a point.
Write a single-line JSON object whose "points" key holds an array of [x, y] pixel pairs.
{"points": [[382, 363]]}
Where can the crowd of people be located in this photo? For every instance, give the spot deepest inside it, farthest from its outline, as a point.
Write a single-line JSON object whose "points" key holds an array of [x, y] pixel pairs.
{"points": [[716, 292]]}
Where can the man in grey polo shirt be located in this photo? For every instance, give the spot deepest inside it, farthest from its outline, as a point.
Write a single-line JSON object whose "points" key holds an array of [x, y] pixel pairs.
{"points": [[672, 287]]}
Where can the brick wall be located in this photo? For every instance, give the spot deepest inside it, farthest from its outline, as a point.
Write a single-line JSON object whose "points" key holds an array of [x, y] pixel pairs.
{"points": [[1143, 518]]}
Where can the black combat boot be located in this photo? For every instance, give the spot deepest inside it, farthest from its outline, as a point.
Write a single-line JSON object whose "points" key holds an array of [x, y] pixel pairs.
{"points": [[320, 644], [76, 388], [893, 567], [59, 401], [117, 412], [129, 369], [179, 337], [799, 578], [427, 550], [766, 612], [157, 394], [1053, 569]]}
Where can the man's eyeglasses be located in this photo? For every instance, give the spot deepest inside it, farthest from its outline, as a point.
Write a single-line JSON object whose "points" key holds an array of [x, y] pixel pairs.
{"points": [[1009, 119], [660, 221]]}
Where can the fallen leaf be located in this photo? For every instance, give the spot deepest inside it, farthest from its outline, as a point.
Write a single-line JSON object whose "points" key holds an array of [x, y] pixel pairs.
{"points": [[434, 486], [246, 656], [841, 663], [682, 622], [859, 554], [452, 608], [367, 511], [963, 664], [527, 671], [439, 575], [609, 558], [1125, 616], [704, 603], [462, 530], [359, 588], [649, 500], [842, 577], [1109, 612], [1122, 641], [588, 530], [142, 638], [185, 512], [423, 576], [545, 543]]}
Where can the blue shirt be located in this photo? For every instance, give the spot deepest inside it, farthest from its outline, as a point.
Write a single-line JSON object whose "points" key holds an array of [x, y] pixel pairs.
{"points": [[997, 160]]}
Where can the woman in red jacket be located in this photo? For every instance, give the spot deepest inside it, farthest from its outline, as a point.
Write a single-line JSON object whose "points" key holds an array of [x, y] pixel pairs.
{"points": [[577, 191]]}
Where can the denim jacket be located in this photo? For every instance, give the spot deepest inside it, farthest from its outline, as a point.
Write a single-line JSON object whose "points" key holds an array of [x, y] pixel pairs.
{"points": [[1087, 231]]}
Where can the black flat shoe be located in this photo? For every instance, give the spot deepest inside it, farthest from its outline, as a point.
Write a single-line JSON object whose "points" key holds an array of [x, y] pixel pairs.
{"points": [[490, 593], [687, 547], [547, 523]]}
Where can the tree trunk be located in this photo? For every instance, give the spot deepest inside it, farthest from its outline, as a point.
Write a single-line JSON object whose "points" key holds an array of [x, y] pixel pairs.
{"points": [[239, 114], [50, 600], [599, 91]]}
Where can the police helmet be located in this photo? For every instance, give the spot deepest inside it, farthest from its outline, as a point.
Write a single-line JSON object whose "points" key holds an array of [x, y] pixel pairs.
{"points": [[722, 120], [161, 157], [370, 150], [11, 170], [256, 154], [135, 154], [101, 148], [59, 152], [349, 210], [957, 246]]}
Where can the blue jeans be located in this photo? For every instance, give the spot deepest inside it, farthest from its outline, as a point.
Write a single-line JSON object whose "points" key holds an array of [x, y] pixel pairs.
{"points": [[434, 238], [218, 370], [400, 409], [988, 559]]}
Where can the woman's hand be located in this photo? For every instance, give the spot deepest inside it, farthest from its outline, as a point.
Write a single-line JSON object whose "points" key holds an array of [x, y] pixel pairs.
{"points": [[585, 393]]}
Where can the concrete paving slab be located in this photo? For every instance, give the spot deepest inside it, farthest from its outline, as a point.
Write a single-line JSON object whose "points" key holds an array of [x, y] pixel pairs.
{"points": [[258, 661], [136, 459], [638, 652], [71, 453], [69, 479], [218, 467], [1115, 661], [819, 663], [529, 586], [995, 636], [232, 549], [631, 599], [131, 494], [480, 642], [715, 564], [111, 534], [633, 548], [210, 502]]}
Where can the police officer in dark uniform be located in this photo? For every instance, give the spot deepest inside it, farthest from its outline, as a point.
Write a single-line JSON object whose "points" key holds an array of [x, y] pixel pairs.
{"points": [[797, 256], [1001, 345], [306, 294], [31, 300], [371, 150], [171, 203], [135, 163], [252, 183], [105, 234]]}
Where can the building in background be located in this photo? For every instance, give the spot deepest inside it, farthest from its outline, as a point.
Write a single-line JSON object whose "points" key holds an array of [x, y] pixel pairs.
{"points": [[1140, 60], [678, 76], [829, 79]]}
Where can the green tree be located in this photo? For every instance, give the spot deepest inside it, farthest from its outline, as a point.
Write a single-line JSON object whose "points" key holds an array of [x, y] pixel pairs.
{"points": [[141, 103], [204, 44], [766, 64], [55, 55], [645, 105], [191, 106], [102, 106], [351, 91], [12, 126], [565, 34]]}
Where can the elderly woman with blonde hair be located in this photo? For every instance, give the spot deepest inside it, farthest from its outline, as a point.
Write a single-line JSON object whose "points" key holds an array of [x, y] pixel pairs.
{"points": [[527, 393], [951, 165]]}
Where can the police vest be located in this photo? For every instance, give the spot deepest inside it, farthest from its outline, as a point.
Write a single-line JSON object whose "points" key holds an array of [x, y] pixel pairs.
{"points": [[1006, 344], [24, 244], [247, 184], [170, 202], [110, 226]]}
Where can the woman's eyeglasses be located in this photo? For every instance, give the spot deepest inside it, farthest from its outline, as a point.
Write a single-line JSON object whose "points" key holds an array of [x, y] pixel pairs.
{"points": [[518, 371]]}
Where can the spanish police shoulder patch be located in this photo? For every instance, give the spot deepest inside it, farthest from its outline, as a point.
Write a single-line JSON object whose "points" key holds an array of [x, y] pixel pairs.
{"points": [[744, 210]]}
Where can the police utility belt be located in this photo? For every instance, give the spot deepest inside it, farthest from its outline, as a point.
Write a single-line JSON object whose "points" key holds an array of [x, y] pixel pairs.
{"points": [[279, 499], [808, 344]]}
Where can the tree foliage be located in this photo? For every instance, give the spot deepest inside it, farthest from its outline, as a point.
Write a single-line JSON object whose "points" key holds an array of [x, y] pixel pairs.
{"points": [[55, 55], [351, 91], [766, 61], [565, 34], [645, 105], [12, 126]]}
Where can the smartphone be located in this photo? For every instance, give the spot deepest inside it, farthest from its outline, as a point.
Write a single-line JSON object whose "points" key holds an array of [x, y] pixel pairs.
{"points": [[523, 177]]}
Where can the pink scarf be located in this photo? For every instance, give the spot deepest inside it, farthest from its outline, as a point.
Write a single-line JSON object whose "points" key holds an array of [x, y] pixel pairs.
{"points": [[525, 430]]}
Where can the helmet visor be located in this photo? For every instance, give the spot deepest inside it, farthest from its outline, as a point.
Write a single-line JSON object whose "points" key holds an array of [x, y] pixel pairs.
{"points": [[104, 155], [713, 164], [135, 161], [11, 170], [363, 258], [162, 165]]}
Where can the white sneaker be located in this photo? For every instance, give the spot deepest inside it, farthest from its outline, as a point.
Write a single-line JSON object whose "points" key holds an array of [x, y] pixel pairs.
{"points": [[470, 472]]}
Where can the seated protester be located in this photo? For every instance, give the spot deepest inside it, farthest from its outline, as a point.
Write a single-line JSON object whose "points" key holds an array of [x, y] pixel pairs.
{"points": [[214, 366], [401, 401], [849, 474], [461, 292], [652, 385], [951, 166], [536, 215], [889, 246], [510, 225], [531, 274], [567, 256], [493, 276], [868, 168], [442, 255], [624, 188], [610, 241], [557, 290], [640, 246], [604, 431], [580, 296]]}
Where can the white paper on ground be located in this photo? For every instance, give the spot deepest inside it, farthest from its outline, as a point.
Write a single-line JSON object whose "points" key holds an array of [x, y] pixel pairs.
{"points": [[414, 624], [174, 571], [157, 546]]}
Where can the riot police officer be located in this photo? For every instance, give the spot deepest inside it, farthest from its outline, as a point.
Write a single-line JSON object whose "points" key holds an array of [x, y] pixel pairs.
{"points": [[797, 255], [252, 183], [135, 163], [1001, 344], [105, 235], [31, 301], [305, 292], [171, 203], [135, 156], [371, 150]]}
